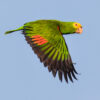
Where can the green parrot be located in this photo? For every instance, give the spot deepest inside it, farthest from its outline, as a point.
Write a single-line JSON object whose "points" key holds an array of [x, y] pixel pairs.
{"points": [[47, 41]]}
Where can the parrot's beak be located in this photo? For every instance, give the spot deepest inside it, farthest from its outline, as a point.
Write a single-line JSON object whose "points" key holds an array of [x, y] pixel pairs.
{"points": [[79, 30]]}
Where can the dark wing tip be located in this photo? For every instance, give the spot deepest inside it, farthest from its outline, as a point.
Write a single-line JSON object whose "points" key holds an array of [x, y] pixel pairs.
{"points": [[54, 71], [68, 69], [66, 76], [60, 75], [64, 68]]}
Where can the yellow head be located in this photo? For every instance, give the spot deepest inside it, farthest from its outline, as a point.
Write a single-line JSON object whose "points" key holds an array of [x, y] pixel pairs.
{"points": [[78, 27]]}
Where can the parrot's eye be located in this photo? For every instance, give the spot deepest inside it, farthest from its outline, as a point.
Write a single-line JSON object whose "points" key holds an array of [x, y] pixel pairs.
{"points": [[76, 24]]}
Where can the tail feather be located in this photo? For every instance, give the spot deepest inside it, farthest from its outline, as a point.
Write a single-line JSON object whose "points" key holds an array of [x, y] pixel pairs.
{"points": [[20, 28]]}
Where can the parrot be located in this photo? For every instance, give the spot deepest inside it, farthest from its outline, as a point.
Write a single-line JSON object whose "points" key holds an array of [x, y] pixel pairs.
{"points": [[47, 41]]}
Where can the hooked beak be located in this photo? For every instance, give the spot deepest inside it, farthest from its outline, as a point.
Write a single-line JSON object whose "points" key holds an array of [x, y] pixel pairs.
{"points": [[79, 30]]}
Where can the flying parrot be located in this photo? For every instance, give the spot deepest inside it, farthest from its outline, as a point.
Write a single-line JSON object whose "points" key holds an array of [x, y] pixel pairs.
{"points": [[47, 41]]}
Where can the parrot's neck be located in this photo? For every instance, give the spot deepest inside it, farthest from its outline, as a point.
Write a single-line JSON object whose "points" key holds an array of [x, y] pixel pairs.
{"points": [[67, 27]]}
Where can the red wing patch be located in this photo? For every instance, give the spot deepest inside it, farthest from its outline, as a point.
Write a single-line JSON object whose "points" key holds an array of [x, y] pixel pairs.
{"points": [[39, 40]]}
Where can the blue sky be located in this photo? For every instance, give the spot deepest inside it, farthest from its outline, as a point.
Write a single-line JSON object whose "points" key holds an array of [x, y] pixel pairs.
{"points": [[23, 77]]}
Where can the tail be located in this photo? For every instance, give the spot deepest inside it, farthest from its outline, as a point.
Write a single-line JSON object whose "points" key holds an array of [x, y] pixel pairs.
{"points": [[20, 28]]}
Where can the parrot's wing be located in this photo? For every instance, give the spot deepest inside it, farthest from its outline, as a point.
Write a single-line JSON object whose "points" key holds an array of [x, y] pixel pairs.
{"points": [[53, 52]]}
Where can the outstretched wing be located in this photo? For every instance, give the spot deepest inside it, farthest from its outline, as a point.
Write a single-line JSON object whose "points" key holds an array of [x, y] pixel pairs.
{"points": [[53, 52]]}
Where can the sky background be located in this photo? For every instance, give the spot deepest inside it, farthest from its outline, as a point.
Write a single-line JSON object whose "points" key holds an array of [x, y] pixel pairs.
{"points": [[23, 77]]}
